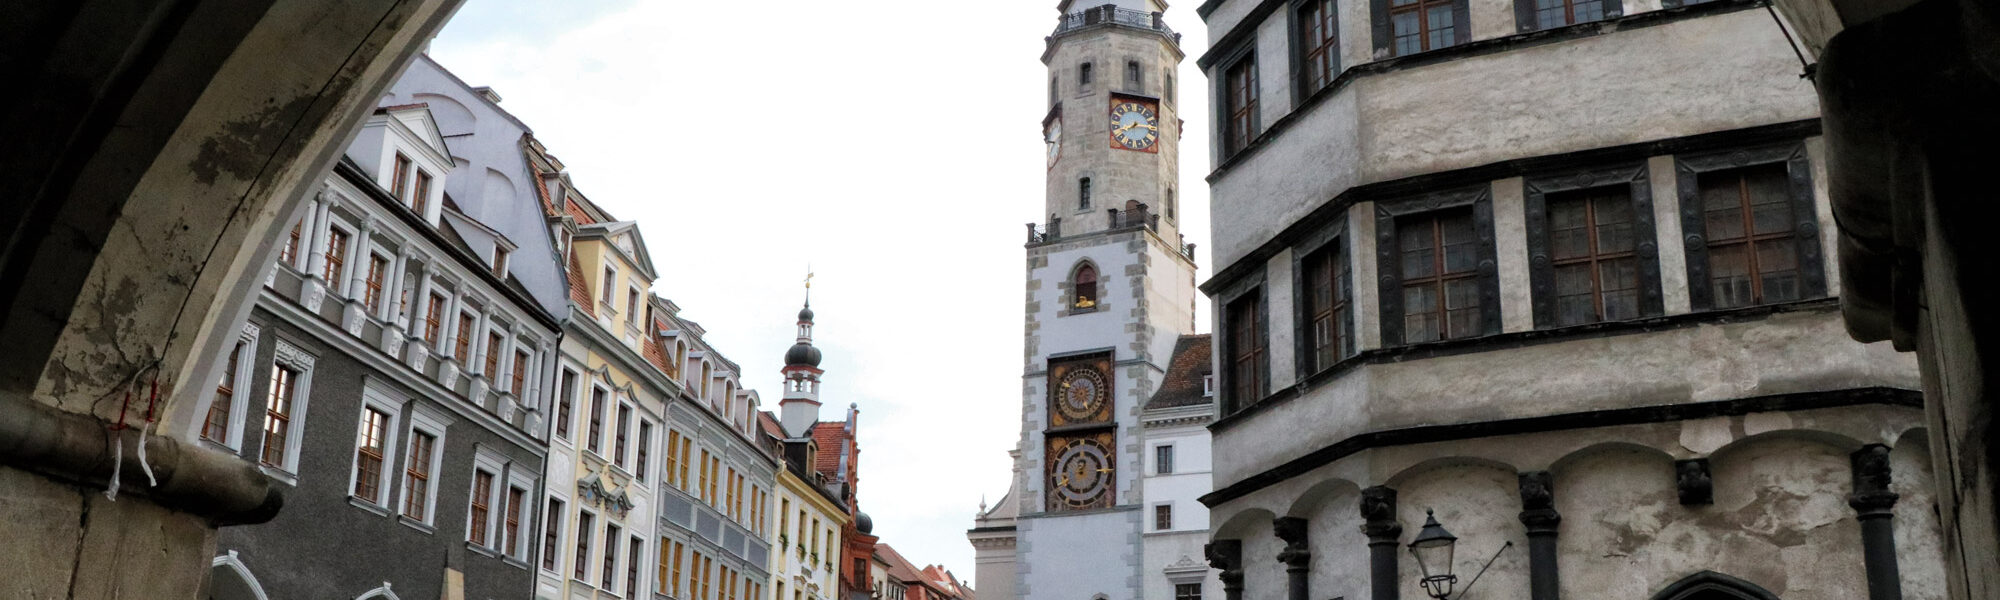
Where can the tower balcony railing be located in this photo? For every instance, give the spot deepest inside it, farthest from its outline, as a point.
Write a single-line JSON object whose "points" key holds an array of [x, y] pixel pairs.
{"points": [[1110, 14]]}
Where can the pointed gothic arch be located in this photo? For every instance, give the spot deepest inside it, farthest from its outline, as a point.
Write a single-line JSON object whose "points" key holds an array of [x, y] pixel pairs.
{"points": [[230, 579], [1084, 295], [1710, 585]]}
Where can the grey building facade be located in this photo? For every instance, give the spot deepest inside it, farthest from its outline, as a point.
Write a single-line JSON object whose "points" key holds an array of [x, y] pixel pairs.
{"points": [[390, 378], [1555, 274]]}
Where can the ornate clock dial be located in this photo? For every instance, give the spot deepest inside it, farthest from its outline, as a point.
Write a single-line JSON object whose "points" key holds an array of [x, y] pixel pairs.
{"points": [[1082, 394], [1082, 473], [1134, 125], [1052, 135]]}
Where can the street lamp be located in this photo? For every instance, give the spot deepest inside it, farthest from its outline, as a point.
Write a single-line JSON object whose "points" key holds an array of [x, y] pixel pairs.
{"points": [[1433, 549]]}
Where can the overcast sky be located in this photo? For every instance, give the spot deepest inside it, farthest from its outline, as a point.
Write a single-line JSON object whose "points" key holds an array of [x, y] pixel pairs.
{"points": [[893, 145]]}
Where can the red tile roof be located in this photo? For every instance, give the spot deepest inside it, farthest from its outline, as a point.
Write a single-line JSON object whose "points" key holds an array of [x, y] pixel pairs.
{"points": [[832, 438], [579, 290], [1182, 385], [770, 425]]}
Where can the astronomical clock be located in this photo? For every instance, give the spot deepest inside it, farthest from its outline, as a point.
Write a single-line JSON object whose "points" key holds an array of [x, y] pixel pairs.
{"points": [[1082, 436]]}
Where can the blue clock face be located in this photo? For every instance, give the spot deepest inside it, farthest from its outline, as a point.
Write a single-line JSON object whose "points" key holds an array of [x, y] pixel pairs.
{"points": [[1134, 125]]}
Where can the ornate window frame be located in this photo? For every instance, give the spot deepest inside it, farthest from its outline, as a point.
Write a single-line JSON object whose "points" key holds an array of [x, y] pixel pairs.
{"points": [[246, 366], [288, 355], [1252, 283], [1645, 234], [373, 396], [1525, 20], [1332, 234], [1389, 273], [1805, 213], [494, 463]]}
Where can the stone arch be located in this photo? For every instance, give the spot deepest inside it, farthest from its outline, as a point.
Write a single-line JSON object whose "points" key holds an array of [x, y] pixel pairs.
{"points": [[1710, 585], [1245, 521], [1586, 452], [1263, 575], [1842, 443], [1319, 493], [381, 593], [1338, 565], [230, 579], [1397, 480]]}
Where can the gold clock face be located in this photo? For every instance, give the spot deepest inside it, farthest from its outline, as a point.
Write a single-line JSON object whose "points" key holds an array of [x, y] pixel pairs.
{"points": [[1135, 125], [1081, 475], [1082, 394]]}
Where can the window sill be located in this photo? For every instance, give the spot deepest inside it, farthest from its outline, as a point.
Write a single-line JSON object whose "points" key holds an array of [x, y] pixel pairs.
{"points": [[512, 562], [378, 509], [481, 550], [426, 528], [218, 445], [286, 477]]}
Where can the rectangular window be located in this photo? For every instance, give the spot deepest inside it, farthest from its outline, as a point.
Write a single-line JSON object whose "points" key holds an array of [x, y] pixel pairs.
{"points": [[618, 435], [420, 200], [714, 474], [670, 566], [278, 414], [510, 534], [378, 268], [433, 320], [1084, 75], [1132, 73], [216, 427], [1317, 34], [336, 257], [1239, 104], [1163, 517], [1163, 459], [729, 493], [1420, 25], [289, 254], [707, 565], [552, 537], [595, 438], [368, 455], [1083, 193], [1557, 13], [1753, 252], [1187, 591], [417, 476], [564, 402], [500, 262], [673, 457], [493, 341], [400, 182], [482, 496], [610, 276], [633, 554], [584, 521], [694, 574], [520, 372], [639, 453], [687, 453], [463, 350], [1246, 351], [1591, 250], [1329, 321], [1440, 276], [632, 307]]}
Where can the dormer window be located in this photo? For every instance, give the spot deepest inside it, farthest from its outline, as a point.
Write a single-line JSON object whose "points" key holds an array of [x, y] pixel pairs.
{"points": [[610, 276], [632, 307], [420, 197], [400, 181], [500, 262], [1208, 386]]}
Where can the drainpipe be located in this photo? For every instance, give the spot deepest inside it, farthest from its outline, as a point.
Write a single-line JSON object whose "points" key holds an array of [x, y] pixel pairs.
{"points": [[79, 449]]}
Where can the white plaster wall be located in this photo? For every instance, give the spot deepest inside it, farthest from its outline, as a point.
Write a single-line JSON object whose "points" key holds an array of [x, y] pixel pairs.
{"points": [[1263, 575], [1481, 505], [1784, 353], [1615, 504], [1274, 78], [1163, 550], [1069, 557], [1278, 297], [1709, 74], [1919, 549], [1186, 484], [1340, 558]]}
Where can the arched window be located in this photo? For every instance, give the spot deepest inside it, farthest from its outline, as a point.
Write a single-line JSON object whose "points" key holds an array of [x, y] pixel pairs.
{"points": [[1710, 585], [1084, 286], [1083, 194], [704, 382]]}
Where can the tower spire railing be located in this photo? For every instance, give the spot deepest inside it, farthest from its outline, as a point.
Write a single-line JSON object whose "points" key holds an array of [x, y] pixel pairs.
{"points": [[1110, 14]]}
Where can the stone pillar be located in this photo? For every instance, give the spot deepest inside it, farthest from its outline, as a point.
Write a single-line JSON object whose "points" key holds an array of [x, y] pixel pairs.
{"points": [[358, 252], [316, 251], [1378, 514], [1538, 512], [1226, 556], [420, 302], [1873, 504], [1297, 555]]}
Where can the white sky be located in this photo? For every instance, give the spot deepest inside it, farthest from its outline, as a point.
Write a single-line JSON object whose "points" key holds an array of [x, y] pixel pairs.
{"points": [[894, 145]]}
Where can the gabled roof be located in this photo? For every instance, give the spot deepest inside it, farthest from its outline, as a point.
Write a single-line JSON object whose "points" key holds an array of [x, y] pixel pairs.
{"points": [[417, 117], [770, 424], [899, 567], [612, 230], [832, 439], [1182, 385]]}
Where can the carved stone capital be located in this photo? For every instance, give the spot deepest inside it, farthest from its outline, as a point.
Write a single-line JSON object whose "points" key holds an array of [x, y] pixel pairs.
{"points": [[1226, 556], [1297, 554], [1693, 480], [1871, 495], [1378, 514], [1538, 502]]}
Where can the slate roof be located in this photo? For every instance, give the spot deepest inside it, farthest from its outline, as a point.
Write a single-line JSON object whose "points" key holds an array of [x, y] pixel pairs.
{"points": [[1185, 370]]}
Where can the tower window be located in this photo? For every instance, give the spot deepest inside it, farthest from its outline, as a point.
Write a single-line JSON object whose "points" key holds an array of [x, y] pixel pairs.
{"points": [[1085, 287], [1083, 75], [1167, 84], [1052, 91], [1173, 204], [1132, 73], [1083, 194]]}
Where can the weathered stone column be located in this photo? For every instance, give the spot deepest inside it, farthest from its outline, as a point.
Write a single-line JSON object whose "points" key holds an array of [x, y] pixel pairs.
{"points": [[1873, 504], [1538, 512], [1226, 556], [1378, 513], [1297, 555]]}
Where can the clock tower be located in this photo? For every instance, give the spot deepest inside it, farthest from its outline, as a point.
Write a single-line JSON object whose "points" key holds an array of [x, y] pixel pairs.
{"points": [[1110, 290]]}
